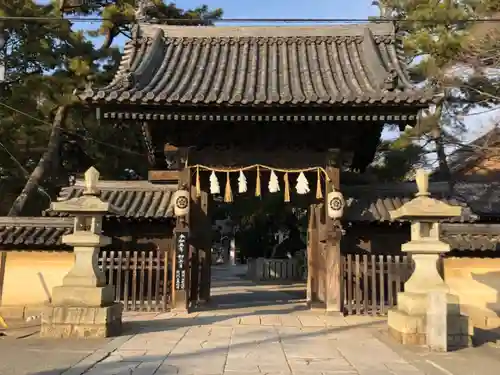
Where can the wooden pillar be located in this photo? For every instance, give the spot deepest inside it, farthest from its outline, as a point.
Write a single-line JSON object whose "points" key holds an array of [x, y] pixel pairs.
{"points": [[311, 253], [320, 258], [333, 266], [3, 266], [180, 294], [205, 247], [200, 225], [315, 261], [194, 224]]}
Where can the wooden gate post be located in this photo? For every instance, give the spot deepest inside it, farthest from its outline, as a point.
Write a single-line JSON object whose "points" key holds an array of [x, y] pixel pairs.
{"points": [[312, 245], [315, 259], [180, 269], [205, 247], [201, 228], [333, 259]]}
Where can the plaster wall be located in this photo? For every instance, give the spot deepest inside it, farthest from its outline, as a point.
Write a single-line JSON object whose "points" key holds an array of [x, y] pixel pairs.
{"points": [[477, 283], [29, 279]]}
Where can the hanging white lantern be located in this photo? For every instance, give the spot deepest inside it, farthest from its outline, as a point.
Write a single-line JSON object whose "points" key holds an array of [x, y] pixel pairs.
{"points": [[181, 203], [336, 204]]}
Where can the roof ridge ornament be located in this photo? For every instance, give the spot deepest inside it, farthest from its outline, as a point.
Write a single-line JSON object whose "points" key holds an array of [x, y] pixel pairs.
{"points": [[385, 12], [141, 11], [422, 181], [391, 81], [91, 178]]}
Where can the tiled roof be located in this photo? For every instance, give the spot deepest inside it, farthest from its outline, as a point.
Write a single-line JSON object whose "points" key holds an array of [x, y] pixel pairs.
{"points": [[137, 199], [144, 200], [369, 203], [357, 64], [462, 237], [46, 232], [34, 231], [374, 202]]}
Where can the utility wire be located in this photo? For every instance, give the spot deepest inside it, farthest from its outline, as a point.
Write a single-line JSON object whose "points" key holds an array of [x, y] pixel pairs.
{"points": [[39, 188], [69, 131], [259, 20]]}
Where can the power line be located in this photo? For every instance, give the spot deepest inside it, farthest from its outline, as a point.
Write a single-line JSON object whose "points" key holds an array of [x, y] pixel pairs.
{"points": [[69, 131], [257, 20], [40, 189]]}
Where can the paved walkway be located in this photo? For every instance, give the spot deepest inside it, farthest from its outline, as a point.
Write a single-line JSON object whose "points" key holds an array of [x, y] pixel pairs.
{"points": [[246, 333], [253, 329], [290, 343]]}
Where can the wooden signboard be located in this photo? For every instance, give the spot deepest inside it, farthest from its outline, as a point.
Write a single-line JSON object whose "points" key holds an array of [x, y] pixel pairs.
{"points": [[181, 257]]}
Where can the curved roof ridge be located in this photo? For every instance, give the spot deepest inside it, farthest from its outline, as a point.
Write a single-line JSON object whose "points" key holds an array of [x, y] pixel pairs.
{"points": [[322, 65], [379, 29]]}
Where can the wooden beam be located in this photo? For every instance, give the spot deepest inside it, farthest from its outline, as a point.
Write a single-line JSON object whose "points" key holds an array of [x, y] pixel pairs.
{"points": [[236, 158], [164, 176]]}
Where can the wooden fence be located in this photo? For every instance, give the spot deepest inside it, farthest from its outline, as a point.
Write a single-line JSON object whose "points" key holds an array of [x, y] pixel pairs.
{"points": [[371, 282], [263, 269], [142, 279]]}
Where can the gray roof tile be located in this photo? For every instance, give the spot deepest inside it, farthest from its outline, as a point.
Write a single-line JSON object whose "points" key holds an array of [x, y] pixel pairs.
{"points": [[34, 231], [137, 199], [485, 237], [358, 64], [373, 202]]}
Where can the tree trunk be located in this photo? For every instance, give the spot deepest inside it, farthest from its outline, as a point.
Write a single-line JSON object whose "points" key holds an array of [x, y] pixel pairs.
{"points": [[437, 136], [48, 157]]}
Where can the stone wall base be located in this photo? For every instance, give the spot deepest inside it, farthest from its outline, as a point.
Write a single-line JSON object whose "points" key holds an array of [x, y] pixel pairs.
{"points": [[411, 329], [407, 338], [81, 322]]}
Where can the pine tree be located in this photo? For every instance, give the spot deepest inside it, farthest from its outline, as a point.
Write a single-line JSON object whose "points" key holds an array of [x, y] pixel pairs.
{"points": [[436, 35], [46, 61]]}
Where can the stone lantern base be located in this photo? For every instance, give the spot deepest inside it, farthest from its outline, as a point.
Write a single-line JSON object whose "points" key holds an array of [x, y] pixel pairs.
{"points": [[408, 323], [82, 322]]}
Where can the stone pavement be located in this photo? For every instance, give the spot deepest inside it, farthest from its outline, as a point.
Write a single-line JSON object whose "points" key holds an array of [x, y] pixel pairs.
{"points": [[230, 344], [252, 330]]}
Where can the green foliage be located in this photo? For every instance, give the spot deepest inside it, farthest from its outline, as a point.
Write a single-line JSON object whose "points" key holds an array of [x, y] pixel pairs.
{"points": [[46, 61], [118, 17], [395, 159], [259, 219], [437, 38]]}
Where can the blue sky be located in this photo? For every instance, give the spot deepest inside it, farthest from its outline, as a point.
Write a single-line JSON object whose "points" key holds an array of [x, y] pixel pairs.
{"points": [[289, 8]]}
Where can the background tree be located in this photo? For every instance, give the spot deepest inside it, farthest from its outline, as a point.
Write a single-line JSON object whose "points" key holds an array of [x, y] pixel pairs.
{"points": [[46, 61], [436, 35], [260, 219]]}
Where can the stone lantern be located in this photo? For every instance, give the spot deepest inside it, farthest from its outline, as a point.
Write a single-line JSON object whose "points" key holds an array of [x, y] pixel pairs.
{"points": [[83, 306], [409, 322]]}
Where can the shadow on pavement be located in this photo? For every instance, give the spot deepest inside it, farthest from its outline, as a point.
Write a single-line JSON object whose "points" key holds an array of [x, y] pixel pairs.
{"points": [[169, 323], [153, 362]]}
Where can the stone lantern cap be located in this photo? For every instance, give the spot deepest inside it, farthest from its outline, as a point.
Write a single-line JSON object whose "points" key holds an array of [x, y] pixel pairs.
{"points": [[423, 207], [89, 204]]}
